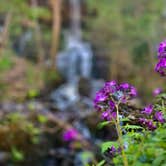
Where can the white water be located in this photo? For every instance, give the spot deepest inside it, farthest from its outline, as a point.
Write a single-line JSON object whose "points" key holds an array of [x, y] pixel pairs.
{"points": [[74, 62]]}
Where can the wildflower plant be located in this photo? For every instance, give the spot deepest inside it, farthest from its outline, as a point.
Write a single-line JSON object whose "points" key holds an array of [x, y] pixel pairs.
{"points": [[142, 138], [107, 102]]}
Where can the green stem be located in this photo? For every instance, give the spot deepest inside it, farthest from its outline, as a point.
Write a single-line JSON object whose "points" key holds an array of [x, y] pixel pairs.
{"points": [[125, 161]]}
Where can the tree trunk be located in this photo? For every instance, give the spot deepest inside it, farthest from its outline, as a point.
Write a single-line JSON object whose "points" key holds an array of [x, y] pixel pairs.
{"points": [[56, 27]]}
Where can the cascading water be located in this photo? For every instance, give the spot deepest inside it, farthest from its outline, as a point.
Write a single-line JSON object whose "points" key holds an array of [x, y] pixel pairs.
{"points": [[74, 62], [77, 53]]}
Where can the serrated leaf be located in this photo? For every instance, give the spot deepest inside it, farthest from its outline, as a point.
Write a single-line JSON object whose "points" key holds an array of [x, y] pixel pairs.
{"points": [[132, 127], [125, 120], [108, 144], [102, 124]]}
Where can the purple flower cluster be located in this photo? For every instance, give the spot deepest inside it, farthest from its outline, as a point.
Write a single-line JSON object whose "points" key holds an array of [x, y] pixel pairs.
{"points": [[70, 135], [111, 94], [148, 123], [161, 65], [155, 117]]}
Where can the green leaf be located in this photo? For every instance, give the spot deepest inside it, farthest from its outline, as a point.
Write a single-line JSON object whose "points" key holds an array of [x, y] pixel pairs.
{"points": [[42, 119], [125, 120], [17, 155], [159, 160], [132, 127], [108, 144], [102, 124], [101, 163]]}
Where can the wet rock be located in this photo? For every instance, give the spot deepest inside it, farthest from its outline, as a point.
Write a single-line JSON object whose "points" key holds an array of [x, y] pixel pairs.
{"points": [[84, 87]]}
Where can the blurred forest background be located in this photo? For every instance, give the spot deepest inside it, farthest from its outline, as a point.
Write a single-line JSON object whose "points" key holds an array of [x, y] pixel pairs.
{"points": [[123, 36]]}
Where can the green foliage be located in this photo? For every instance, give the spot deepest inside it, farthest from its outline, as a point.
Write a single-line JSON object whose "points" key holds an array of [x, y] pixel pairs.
{"points": [[32, 93], [132, 127], [17, 155], [133, 26], [101, 163], [5, 63], [105, 145], [86, 157], [142, 147], [102, 124], [42, 119]]}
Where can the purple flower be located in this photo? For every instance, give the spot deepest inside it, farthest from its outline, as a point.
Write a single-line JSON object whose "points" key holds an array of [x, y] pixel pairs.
{"points": [[98, 107], [124, 86], [105, 115], [112, 150], [162, 50], [157, 91], [70, 134], [159, 117], [111, 105], [113, 115], [133, 91], [112, 83], [161, 67], [110, 87], [150, 125], [129, 91], [148, 110], [119, 150], [143, 121], [109, 115], [100, 97]]}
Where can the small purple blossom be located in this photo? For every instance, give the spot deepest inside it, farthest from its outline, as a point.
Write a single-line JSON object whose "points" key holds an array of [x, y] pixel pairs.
{"points": [[133, 91], [112, 83], [105, 115], [124, 86], [161, 67], [111, 105], [70, 134], [100, 97], [159, 117], [143, 121], [157, 91], [108, 115], [147, 123], [150, 125], [162, 50], [110, 87], [148, 110], [112, 150]]}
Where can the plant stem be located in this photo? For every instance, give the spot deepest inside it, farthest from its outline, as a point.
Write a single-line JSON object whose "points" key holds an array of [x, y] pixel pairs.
{"points": [[120, 137]]}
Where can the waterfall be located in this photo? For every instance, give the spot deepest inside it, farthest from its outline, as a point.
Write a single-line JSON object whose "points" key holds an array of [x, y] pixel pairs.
{"points": [[74, 62]]}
